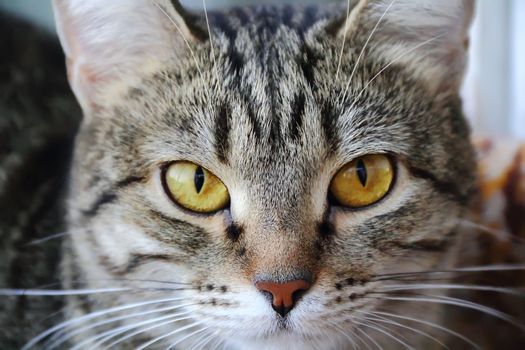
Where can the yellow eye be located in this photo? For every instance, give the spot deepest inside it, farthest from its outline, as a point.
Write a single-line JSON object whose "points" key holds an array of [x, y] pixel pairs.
{"points": [[195, 188], [363, 181]]}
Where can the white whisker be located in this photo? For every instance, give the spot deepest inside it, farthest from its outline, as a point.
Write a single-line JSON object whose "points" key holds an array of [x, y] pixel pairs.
{"points": [[380, 329], [202, 341], [462, 303], [369, 338], [92, 315], [46, 239], [169, 319], [220, 342], [431, 324], [100, 338], [516, 267], [187, 337], [386, 328], [360, 339], [340, 330], [164, 336], [483, 268], [377, 318], [70, 335], [44, 292], [510, 291]]}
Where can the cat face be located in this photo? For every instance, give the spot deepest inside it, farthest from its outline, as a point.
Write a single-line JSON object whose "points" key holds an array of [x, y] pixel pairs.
{"points": [[265, 110]]}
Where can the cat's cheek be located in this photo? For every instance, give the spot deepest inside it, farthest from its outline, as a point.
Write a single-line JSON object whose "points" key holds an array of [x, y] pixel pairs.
{"points": [[118, 239]]}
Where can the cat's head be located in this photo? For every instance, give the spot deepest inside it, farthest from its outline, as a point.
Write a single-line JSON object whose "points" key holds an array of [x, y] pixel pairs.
{"points": [[292, 157]]}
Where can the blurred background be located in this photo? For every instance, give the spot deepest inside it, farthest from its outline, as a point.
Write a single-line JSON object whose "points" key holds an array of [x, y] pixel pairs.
{"points": [[494, 89]]}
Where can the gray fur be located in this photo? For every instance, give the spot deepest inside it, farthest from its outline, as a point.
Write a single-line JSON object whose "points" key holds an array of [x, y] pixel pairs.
{"points": [[263, 118], [259, 109]]}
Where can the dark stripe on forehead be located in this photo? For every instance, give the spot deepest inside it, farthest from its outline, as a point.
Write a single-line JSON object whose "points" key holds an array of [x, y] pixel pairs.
{"points": [[252, 117], [275, 138], [307, 62], [235, 60], [296, 119], [267, 21], [273, 71], [251, 114], [329, 119], [222, 132]]}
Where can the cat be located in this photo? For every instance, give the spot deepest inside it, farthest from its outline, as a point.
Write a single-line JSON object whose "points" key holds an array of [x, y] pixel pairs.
{"points": [[269, 177]]}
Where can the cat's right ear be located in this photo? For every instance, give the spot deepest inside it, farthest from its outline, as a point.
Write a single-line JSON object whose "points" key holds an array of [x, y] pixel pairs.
{"points": [[108, 42]]}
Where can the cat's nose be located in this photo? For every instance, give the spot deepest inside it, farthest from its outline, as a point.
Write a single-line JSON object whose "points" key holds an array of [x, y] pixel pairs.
{"points": [[285, 295]]}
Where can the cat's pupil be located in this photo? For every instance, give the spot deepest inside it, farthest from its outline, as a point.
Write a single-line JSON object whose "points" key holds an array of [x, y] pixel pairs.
{"points": [[199, 179], [361, 172]]}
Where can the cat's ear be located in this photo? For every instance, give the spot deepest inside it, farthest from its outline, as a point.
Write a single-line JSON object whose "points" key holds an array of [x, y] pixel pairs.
{"points": [[430, 37], [109, 41]]}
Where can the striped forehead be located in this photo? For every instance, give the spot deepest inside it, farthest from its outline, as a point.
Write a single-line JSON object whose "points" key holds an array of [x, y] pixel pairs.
{"points": [[266, 70], [267, 94]]}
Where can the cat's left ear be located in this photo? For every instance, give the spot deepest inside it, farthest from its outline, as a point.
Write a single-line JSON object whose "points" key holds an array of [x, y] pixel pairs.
{"points": [[429, 37], [109, 42]]}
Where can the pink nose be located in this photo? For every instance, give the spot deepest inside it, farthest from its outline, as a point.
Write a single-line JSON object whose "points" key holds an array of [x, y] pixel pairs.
{"points": [[285, 295]]}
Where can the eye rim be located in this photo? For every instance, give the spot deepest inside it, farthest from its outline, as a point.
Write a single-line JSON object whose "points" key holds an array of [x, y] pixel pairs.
{"points": [[164, 169], [394, 162]]}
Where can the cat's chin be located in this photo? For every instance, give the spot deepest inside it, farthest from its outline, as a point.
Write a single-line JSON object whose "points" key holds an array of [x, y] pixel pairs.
{"points": [[289, 341], [283, 335]]}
